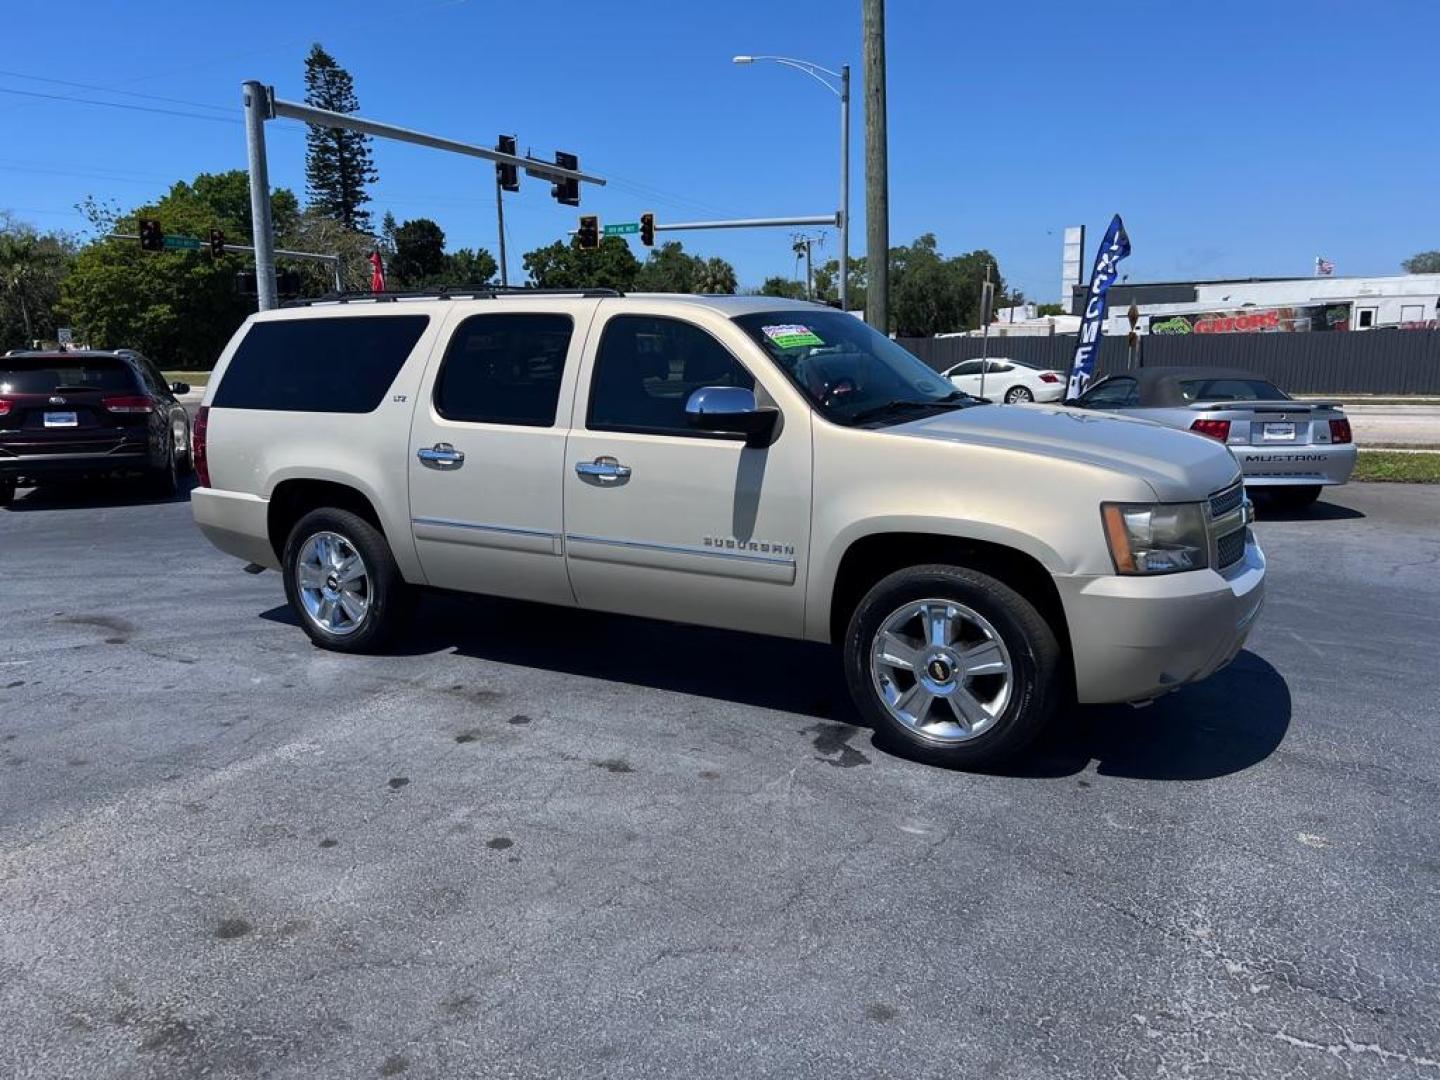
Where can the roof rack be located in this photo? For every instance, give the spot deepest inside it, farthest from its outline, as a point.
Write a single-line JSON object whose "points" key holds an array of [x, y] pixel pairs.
{"points": [[446, 292]]}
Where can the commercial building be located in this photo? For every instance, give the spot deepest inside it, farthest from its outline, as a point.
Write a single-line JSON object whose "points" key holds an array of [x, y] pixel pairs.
{"points": [[1261, 305]]}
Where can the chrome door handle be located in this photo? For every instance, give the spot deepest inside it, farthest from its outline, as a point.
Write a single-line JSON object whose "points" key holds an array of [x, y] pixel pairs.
{"points": [[603, 468], [441, 456]]}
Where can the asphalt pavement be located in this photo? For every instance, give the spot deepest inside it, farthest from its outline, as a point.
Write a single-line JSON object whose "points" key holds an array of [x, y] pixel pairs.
{"points": [[542, 843]]}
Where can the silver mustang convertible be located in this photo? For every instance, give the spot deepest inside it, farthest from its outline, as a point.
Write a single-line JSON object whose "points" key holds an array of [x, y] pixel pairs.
{"points": [[1289, 448]]}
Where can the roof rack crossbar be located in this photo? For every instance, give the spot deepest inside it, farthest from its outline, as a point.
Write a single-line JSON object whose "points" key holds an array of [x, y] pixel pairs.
{"points": [[448, 292]]}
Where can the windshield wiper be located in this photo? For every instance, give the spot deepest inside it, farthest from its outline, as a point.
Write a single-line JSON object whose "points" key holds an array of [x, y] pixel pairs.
{"points": [[892, 405]]}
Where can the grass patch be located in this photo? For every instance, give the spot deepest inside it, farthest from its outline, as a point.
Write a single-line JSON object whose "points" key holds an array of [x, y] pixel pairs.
{"points": [[196, 379], [1390, 466]]}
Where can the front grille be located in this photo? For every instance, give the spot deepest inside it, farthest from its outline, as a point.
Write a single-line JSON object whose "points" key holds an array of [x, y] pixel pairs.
{"points": [[1230, 548], [1222, 502]]}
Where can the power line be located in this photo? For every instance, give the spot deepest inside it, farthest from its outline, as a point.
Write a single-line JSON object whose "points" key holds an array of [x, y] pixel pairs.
{"points": [[121, 105], [124, 93]]}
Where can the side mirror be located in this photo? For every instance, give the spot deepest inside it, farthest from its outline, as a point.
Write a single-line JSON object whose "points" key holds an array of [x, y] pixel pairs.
{"points": [[732, 409], [178, 388]]}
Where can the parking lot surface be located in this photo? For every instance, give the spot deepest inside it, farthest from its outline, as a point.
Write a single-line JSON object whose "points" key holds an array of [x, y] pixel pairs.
{"points": [[548, 843]]}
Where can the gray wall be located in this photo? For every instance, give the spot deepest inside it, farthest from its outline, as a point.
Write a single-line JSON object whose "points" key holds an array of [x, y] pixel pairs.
{"points": [[1371, 362]]}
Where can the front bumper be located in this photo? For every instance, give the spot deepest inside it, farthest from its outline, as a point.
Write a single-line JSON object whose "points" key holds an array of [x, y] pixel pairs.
{"points": [[1279, 466], [1134, 638], [236, 523]]}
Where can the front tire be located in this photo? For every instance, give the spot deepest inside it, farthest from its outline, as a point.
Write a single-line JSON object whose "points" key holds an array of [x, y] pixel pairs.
{"points": [[1018, 395], [952, 667], [342, 582]]}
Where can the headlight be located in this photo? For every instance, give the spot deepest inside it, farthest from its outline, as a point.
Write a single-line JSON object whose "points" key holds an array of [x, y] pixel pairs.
{"points": [[1156, 538]]}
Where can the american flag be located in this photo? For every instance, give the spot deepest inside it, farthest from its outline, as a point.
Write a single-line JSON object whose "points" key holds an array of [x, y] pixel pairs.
{"points": [[1323, 267]]}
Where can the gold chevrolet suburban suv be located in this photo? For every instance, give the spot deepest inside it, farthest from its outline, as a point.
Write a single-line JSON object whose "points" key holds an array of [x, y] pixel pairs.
{"points": [[743, 462]]}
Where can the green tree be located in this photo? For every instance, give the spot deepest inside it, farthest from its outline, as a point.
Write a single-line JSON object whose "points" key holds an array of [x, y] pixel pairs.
{"points": [[1426, 262], [783, 286], [338, 165], [827, 282], [1049, 309], [931, 294], [670, 269], [667, 269], [715, 275], [32, 265], [419, 257], [179, 307], [467, 267], [567, 266]]}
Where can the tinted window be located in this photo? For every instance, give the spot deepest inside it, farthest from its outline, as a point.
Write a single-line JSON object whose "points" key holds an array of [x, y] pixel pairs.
{"points": [[340, 365], [46, 374], [646, 370], [970, 367], [1231, 390], [504, 369], [1111, 394]]}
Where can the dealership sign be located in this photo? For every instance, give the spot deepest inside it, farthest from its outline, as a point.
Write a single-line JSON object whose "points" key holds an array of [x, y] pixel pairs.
{"points": [[1255, 320]]}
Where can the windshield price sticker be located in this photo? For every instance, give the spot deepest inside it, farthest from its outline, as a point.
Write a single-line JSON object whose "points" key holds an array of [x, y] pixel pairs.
{"points": [[791, 337]]}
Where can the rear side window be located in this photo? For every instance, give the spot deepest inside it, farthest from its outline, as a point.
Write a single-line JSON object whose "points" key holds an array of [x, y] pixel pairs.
{"points": [[504, 369], [47, 374], [319, 365]]}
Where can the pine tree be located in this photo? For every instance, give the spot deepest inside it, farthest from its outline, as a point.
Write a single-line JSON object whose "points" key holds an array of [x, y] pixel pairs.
{"points": [[337, 163]]}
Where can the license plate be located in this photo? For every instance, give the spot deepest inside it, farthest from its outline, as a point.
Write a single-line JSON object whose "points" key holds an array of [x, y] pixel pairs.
{"points": [[61, 419], [1278, 433]]}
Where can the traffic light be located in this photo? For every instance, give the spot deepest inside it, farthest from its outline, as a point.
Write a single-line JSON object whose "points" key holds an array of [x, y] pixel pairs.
{"points": [[647, 229], [589, 233], [217, 243], [152, 236], [566, 192], [507, 175]]}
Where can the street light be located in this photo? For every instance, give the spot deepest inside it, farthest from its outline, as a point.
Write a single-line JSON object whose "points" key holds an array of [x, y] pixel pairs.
{"points": [[842, 91]]}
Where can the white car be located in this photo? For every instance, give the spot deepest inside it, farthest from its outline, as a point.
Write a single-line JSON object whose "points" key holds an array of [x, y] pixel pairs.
{"points": [[1010, 381]]}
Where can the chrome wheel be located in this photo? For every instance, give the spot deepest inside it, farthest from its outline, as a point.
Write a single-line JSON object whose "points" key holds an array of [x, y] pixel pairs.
{"points": [[333, 583], [942, 670], [1019, 394]]}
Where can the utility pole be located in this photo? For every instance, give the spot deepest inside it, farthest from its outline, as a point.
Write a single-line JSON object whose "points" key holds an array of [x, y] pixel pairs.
{"points": [[257, 111], [877, 193], [500, 217]]}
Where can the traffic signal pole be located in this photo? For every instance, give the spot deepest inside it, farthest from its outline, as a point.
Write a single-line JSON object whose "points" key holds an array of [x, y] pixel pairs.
{"points": [[261, 104], [500, 217], [750, 223], [257, 111]]}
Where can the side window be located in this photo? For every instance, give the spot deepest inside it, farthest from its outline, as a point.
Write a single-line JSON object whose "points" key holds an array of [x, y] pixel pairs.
{"points": [[154, 381], [970, 367], [334, 365], [647, 368], [504, 369], [1111, 394]]}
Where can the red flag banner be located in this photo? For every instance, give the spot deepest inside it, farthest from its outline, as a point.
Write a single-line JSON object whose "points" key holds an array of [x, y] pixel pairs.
{"points": [[377, 272]]}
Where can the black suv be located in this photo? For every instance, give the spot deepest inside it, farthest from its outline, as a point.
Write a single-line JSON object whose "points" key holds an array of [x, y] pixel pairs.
{"points": [[89, 413]]}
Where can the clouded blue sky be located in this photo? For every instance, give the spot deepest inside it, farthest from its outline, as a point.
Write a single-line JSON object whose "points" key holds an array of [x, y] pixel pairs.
{"points": [[1237, 138]]}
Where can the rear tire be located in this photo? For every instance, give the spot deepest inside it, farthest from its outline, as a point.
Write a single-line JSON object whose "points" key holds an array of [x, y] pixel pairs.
{"points": [[7, 492], [969, 701], [343, 584], [1018, 395], [164, 482]]}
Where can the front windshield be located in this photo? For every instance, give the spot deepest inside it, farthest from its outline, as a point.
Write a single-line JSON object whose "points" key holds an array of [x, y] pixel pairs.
{"points": [[851, 373]]}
